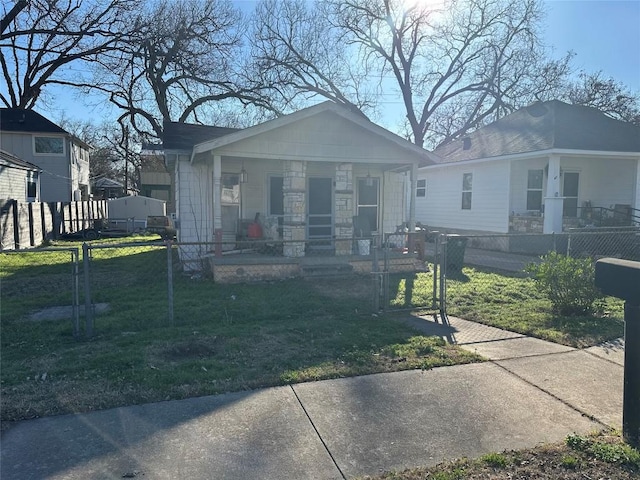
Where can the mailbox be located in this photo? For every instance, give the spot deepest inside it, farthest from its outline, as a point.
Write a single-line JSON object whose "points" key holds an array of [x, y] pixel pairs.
{"points": [[621, 278]]}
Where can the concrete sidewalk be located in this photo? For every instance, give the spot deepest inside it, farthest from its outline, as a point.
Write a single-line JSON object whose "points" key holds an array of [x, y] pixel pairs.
{"points": [[531, 392]]}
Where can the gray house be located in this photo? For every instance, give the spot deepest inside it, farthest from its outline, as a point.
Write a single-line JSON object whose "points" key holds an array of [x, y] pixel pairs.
{"points": [[542, 169], [19, 180], [62, 158]]}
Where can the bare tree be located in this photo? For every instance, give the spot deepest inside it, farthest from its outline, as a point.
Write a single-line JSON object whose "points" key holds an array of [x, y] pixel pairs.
{"points": [[606, 94], [474, 60], [43, 39], [180, 60]]}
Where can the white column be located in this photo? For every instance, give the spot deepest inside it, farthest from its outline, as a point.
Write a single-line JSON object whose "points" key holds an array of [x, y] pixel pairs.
{"points": [[553, 202], [217, 206], [637, 199], [412, 197]]}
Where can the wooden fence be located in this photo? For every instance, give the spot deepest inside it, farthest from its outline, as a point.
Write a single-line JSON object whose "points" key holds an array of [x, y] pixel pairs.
{"points": [[29, 224]]}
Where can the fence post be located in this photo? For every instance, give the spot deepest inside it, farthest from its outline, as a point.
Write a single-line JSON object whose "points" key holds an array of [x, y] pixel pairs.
{"points": [[443, 277], [376, 280], [170, 280], [569, 245], [436, 260], [88, 306], [75, 289], [16, 225]]}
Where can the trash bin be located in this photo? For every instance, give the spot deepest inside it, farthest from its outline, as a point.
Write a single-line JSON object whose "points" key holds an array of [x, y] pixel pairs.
{"points": [[456, 246]]}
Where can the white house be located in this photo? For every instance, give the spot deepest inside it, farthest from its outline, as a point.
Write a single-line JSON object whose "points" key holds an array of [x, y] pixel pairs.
{"points": [[62, 158], [311, 174], [544, 167]]}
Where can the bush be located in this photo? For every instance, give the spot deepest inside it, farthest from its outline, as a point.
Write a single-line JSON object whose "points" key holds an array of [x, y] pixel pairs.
{"points": [[568, 282]]}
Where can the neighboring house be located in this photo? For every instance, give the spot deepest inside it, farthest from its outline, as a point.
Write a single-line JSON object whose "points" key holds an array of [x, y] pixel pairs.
{"points": [[105, 188], [63, 158], [310, 175], [19, 180], [544, 167]]}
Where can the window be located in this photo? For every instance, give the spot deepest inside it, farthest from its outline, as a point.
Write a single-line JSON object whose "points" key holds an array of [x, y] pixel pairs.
{"points": [[48, 145], [368, 194], [32, 187], [534, 190], [570, 185], [467, 181], [421, 188]]}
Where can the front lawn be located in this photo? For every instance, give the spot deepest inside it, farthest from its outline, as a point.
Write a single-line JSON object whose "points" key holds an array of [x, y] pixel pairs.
{"points": [[511, 302], [223, 337]]}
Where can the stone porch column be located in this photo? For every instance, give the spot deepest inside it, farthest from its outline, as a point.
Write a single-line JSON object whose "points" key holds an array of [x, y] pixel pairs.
{"points": [[553, 202], [294, 190], [343, 196]]}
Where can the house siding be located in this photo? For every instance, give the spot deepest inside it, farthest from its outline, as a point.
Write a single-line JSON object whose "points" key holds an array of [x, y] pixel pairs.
{"points": [[194, 185], [61, 175], [442, 205], [13, 183]]}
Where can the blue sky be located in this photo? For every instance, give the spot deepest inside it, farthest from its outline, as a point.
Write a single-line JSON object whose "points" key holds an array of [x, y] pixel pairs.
{"points": [[604, 34]]}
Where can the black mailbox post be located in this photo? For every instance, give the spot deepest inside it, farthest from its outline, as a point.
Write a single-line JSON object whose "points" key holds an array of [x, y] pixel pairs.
{"points": [[621, 278]]}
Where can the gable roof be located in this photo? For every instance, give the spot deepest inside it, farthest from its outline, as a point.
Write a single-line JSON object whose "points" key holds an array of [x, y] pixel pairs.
{"points": [[328, 106], [12, 161], [545, 126], [183, 136], [21, 120]]}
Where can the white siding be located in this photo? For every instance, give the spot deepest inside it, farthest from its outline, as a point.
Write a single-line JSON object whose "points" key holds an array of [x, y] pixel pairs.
{"points": [[194, 185], [393, 213], [519, 177], [442, 205], [13, 183]]}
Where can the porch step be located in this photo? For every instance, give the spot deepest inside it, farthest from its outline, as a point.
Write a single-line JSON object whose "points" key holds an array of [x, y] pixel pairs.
{"points": [[326, 269]]}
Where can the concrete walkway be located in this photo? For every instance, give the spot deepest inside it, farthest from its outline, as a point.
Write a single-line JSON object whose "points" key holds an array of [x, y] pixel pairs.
{"points": [[530, 392]]}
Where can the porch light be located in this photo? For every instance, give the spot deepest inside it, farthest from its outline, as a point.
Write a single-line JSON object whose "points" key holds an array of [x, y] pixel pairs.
{"points": [[369, 181], [244, 176]]}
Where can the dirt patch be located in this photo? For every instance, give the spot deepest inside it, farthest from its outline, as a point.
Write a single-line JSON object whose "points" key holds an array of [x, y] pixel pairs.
{"points": [[353, 287], [190, 349], [64, 312]]}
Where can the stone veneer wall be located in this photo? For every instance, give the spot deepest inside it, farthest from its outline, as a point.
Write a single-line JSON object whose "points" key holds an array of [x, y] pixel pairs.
{"points": [[534, 224], [343, 197], [295, 207]]}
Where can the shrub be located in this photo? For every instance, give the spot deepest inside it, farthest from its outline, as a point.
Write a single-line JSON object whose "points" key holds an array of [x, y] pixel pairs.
{"points": [[568, 282]]}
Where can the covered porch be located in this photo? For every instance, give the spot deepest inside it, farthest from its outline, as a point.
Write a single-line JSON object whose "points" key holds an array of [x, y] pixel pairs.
{"points": [[573, 190], [317, 181]]}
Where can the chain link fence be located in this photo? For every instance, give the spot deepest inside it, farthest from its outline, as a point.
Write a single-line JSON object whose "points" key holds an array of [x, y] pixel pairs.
{"points": [[146, 286], [41, 287], [142, 286]]}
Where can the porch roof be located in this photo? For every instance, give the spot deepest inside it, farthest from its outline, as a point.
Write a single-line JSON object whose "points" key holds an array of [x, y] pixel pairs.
{"points": [[325, 141]]}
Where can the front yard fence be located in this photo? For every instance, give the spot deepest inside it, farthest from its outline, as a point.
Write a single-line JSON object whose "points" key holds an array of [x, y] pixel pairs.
{"points": [[151, 285]]}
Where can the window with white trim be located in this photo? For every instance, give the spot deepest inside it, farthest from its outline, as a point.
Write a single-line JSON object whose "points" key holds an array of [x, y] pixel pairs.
{"points": [[534, 189], [421, 188], [32, 186], [369, 200], [467, 183], [48, 145]]}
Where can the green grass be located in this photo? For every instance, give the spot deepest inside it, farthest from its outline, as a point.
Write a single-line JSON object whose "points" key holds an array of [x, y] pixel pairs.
{"points": [[580, 457], [223, 337], [511, 302]]}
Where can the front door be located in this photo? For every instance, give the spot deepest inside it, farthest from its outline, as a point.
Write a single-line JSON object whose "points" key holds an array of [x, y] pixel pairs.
{"points": [[570, 183], [320, 212]]}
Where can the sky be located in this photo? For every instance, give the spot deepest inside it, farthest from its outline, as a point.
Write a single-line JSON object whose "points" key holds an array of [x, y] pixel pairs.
{"points": [[604, 34]]}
